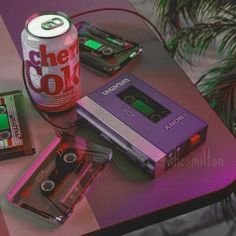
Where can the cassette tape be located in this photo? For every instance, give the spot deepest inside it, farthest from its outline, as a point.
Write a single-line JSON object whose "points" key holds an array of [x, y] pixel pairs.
{"points": [[59, 177], [15, 137], [104, 51]]}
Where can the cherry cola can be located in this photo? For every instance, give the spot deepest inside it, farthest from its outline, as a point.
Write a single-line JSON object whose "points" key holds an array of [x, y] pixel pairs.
{"points": [[51, 56]]}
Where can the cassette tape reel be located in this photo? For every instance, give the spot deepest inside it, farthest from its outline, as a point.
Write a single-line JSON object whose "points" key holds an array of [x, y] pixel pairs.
{"points": [[59, 177], [15, 137], [104, 51]]}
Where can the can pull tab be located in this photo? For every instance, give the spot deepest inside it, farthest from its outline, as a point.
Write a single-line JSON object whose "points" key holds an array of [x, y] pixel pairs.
{"points": [[52, 23]]}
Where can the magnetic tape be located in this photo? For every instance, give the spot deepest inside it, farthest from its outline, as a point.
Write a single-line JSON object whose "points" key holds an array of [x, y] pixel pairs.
{"points": [[59, 177], [15, 138], [104, 51]]}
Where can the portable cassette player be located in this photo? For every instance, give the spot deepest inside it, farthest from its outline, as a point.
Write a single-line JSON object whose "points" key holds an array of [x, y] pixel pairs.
{"points": [[151, 128]]}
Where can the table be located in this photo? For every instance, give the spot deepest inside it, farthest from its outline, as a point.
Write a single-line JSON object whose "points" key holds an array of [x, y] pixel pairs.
{"points": [[123, 199]]}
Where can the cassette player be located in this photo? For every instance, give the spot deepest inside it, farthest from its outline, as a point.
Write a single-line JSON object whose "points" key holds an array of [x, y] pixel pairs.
{"points": [[59, 177], [104, 51], [149, 127], [15, 137]]}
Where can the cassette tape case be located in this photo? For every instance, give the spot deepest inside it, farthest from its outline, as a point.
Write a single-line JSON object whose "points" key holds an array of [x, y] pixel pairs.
{"points": [[59, 177]]}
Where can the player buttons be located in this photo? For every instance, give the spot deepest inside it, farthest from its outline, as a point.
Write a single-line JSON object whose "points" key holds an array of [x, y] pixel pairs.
{"points": [[194, 139]]}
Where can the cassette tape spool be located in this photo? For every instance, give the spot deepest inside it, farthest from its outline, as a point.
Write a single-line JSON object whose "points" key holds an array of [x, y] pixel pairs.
{"points": [[104, 51], [15, 137], [59, 177]]}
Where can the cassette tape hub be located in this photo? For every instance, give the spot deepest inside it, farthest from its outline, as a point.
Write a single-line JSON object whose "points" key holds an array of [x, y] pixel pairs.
{"points": [[59, 177], [149, 127], [66, 162], [104, 51]]}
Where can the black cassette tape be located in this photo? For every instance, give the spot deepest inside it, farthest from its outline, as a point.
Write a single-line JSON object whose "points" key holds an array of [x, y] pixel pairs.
{"points": [[59, 177], [15, 138], [104, 51]]}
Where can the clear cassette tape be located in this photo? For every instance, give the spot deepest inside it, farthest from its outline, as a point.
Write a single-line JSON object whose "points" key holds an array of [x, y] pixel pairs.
{"points": [[59, 177]]}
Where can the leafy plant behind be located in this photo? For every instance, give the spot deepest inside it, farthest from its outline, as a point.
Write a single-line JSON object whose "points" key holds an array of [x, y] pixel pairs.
{"points": [[206, 23]]}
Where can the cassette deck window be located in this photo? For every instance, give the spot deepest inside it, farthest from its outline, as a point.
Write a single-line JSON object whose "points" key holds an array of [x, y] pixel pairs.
{"points": [[143, 104]]}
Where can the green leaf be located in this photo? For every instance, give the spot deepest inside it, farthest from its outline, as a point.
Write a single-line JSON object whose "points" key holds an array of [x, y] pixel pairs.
{"points": [[218, 86]]}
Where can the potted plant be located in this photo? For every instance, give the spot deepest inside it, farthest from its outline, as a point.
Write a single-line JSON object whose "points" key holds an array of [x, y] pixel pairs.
{"points": [[195, 26]]}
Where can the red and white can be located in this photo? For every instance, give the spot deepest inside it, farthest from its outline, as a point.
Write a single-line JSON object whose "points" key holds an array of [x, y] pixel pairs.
{"points": [[51, 56]]}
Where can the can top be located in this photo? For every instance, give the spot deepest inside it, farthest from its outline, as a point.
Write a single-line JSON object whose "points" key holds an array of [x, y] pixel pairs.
{"points": [[48, 24]]}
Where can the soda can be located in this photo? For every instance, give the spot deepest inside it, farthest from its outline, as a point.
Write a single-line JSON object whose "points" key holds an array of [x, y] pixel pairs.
{"points": [[51, 56]]}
